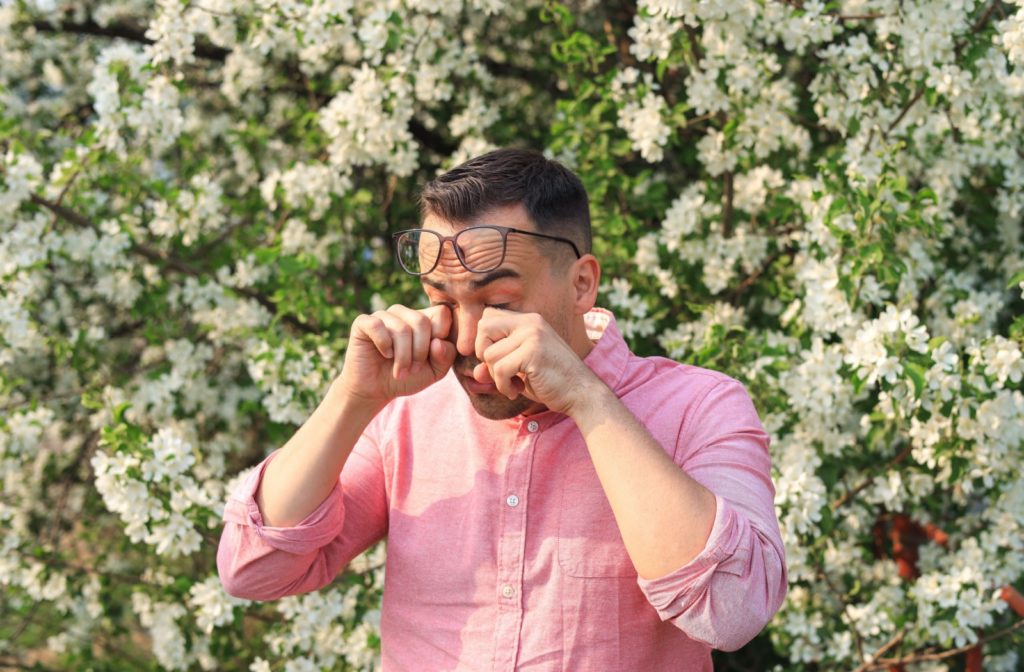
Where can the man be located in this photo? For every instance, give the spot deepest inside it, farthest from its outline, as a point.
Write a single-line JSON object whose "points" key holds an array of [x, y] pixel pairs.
{"points": [[571, 507]]}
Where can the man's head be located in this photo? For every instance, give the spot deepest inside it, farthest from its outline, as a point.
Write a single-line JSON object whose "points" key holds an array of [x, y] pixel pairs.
{"points": [[521, 190]]}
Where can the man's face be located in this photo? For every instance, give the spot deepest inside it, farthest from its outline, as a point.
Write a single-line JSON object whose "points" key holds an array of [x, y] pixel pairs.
{"points": [[528, 281]]}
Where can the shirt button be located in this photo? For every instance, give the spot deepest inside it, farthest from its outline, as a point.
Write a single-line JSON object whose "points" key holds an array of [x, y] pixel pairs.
{"points": [[508, 591], [512, 500], [533, 425]]}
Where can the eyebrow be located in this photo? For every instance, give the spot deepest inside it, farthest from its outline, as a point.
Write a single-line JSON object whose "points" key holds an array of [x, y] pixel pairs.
{"points": [[493, 276]]}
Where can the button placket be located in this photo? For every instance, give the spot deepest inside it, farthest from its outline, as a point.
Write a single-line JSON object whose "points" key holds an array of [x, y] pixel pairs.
{"points": [[511, 546]]}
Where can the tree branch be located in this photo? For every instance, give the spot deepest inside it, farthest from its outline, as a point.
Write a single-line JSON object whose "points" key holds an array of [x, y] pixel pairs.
{"points": [[881, 663], [124, 31], [975, 29], [153, 255]]}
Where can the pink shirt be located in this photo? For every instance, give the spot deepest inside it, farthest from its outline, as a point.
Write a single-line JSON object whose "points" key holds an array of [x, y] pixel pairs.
{"points": [[502, 550]]}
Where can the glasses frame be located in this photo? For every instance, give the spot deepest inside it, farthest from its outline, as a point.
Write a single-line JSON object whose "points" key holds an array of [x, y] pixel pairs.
{"points": [[503, 230]]}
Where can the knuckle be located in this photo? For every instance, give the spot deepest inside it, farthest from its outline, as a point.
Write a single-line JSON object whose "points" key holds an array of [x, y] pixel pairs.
{"points": [[367, 323], [421, 321]]}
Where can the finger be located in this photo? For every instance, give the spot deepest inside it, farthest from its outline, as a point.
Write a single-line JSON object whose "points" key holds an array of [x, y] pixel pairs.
{"points": [[401, 343], [482, 374], [499, 349], [440, 320], [508, 371], [493, 326], [421, 328], [372, 328], [442, 356]]}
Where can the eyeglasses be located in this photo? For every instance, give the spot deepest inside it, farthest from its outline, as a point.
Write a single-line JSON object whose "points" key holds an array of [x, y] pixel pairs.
{"points": [[479, 248]]}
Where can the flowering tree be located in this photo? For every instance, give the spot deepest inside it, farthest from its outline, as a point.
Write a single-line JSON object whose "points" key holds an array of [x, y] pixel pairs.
{"points": [[823, 200]]}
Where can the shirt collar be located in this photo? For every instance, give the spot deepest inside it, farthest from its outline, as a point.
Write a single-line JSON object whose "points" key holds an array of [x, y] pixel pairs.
{"points": [[609, 355]]}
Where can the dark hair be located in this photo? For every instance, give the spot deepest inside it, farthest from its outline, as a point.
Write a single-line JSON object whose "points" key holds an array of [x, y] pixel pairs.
{"points": [[553, 196]]}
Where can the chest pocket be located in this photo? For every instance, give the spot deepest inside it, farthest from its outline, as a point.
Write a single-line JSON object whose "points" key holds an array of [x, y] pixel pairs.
{"points": [[589, 543]]}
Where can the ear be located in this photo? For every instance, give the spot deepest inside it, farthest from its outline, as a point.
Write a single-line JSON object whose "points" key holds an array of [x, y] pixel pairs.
{"points": [[585, 274]]}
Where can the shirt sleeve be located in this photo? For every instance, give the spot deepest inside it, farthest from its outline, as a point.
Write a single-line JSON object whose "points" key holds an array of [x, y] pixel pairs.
{"points": [[731, 589], [262, 562]]}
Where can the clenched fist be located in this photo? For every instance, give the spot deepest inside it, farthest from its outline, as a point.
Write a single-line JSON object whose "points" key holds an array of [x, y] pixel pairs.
{"points": [[522, 354], [397, 352]]}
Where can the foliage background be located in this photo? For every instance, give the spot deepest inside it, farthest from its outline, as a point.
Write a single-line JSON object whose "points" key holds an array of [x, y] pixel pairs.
{"points": [[824, 200]]}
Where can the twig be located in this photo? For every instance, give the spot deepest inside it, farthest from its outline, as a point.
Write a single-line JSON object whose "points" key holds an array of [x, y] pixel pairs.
{"points": [[853, 492], [903, 112], [88, 445], [694, 41], [727, 206], [896, 639], [941, 655], [746, 283]]}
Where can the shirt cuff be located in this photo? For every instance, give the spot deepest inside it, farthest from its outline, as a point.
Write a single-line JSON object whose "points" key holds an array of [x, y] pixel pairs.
{"points": [[311, 533], [680, 589]]}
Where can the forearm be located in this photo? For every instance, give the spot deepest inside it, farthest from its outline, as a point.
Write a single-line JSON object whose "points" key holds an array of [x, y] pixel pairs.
{"points": [[664, 515], [301, 476]]}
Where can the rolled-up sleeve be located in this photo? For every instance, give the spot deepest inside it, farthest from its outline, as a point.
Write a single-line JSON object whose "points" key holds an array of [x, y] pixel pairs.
{"points": [[262, 562], [727, 593]]}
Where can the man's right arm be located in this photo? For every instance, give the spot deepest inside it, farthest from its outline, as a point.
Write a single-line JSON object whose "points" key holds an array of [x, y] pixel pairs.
{"points": [[391, 353], [289, 526], [305, 472], [260, 561]]}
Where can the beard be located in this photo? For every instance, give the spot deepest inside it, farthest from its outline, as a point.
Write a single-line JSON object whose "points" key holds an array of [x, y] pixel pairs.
{"points": [[493, 406]]}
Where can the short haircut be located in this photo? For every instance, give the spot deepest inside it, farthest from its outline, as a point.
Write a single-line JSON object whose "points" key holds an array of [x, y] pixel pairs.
{"points": [[553, 196]]}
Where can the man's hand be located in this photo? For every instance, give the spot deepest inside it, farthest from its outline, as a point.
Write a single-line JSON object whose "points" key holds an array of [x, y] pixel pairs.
{"points": [[522, 354], [397, 352]]}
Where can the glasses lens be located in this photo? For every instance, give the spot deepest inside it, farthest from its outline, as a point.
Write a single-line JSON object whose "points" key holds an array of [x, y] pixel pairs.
{"points": [[482, 248], [418, 250]]}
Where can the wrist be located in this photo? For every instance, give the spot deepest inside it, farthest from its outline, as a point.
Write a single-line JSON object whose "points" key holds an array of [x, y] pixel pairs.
{"points": [[590, 402], [343, 401]]}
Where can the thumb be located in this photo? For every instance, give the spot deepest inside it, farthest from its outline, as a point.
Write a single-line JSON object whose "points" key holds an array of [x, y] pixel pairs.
{"points": [[442, 356]]}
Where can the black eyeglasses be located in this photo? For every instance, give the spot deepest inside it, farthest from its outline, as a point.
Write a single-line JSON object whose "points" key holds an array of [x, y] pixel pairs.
{"points": [[479, 248]]}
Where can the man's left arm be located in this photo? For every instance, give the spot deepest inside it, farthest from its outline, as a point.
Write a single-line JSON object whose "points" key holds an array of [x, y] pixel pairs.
{"points": [[702, 534]]}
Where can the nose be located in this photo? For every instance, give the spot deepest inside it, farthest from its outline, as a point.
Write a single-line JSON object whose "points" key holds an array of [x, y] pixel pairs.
{"points": [[464, 323]]}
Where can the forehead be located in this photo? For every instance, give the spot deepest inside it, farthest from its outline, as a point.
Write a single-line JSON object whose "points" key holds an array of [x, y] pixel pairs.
{"points": [[521, 252]]}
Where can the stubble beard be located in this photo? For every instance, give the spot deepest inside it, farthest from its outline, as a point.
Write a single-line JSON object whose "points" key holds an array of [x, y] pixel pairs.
{"points": [[497, 406]]}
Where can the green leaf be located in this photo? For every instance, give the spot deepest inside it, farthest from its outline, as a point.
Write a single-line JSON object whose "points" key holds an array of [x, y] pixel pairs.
{"points": [[119, 411], [916, 374], [829, 474]]}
